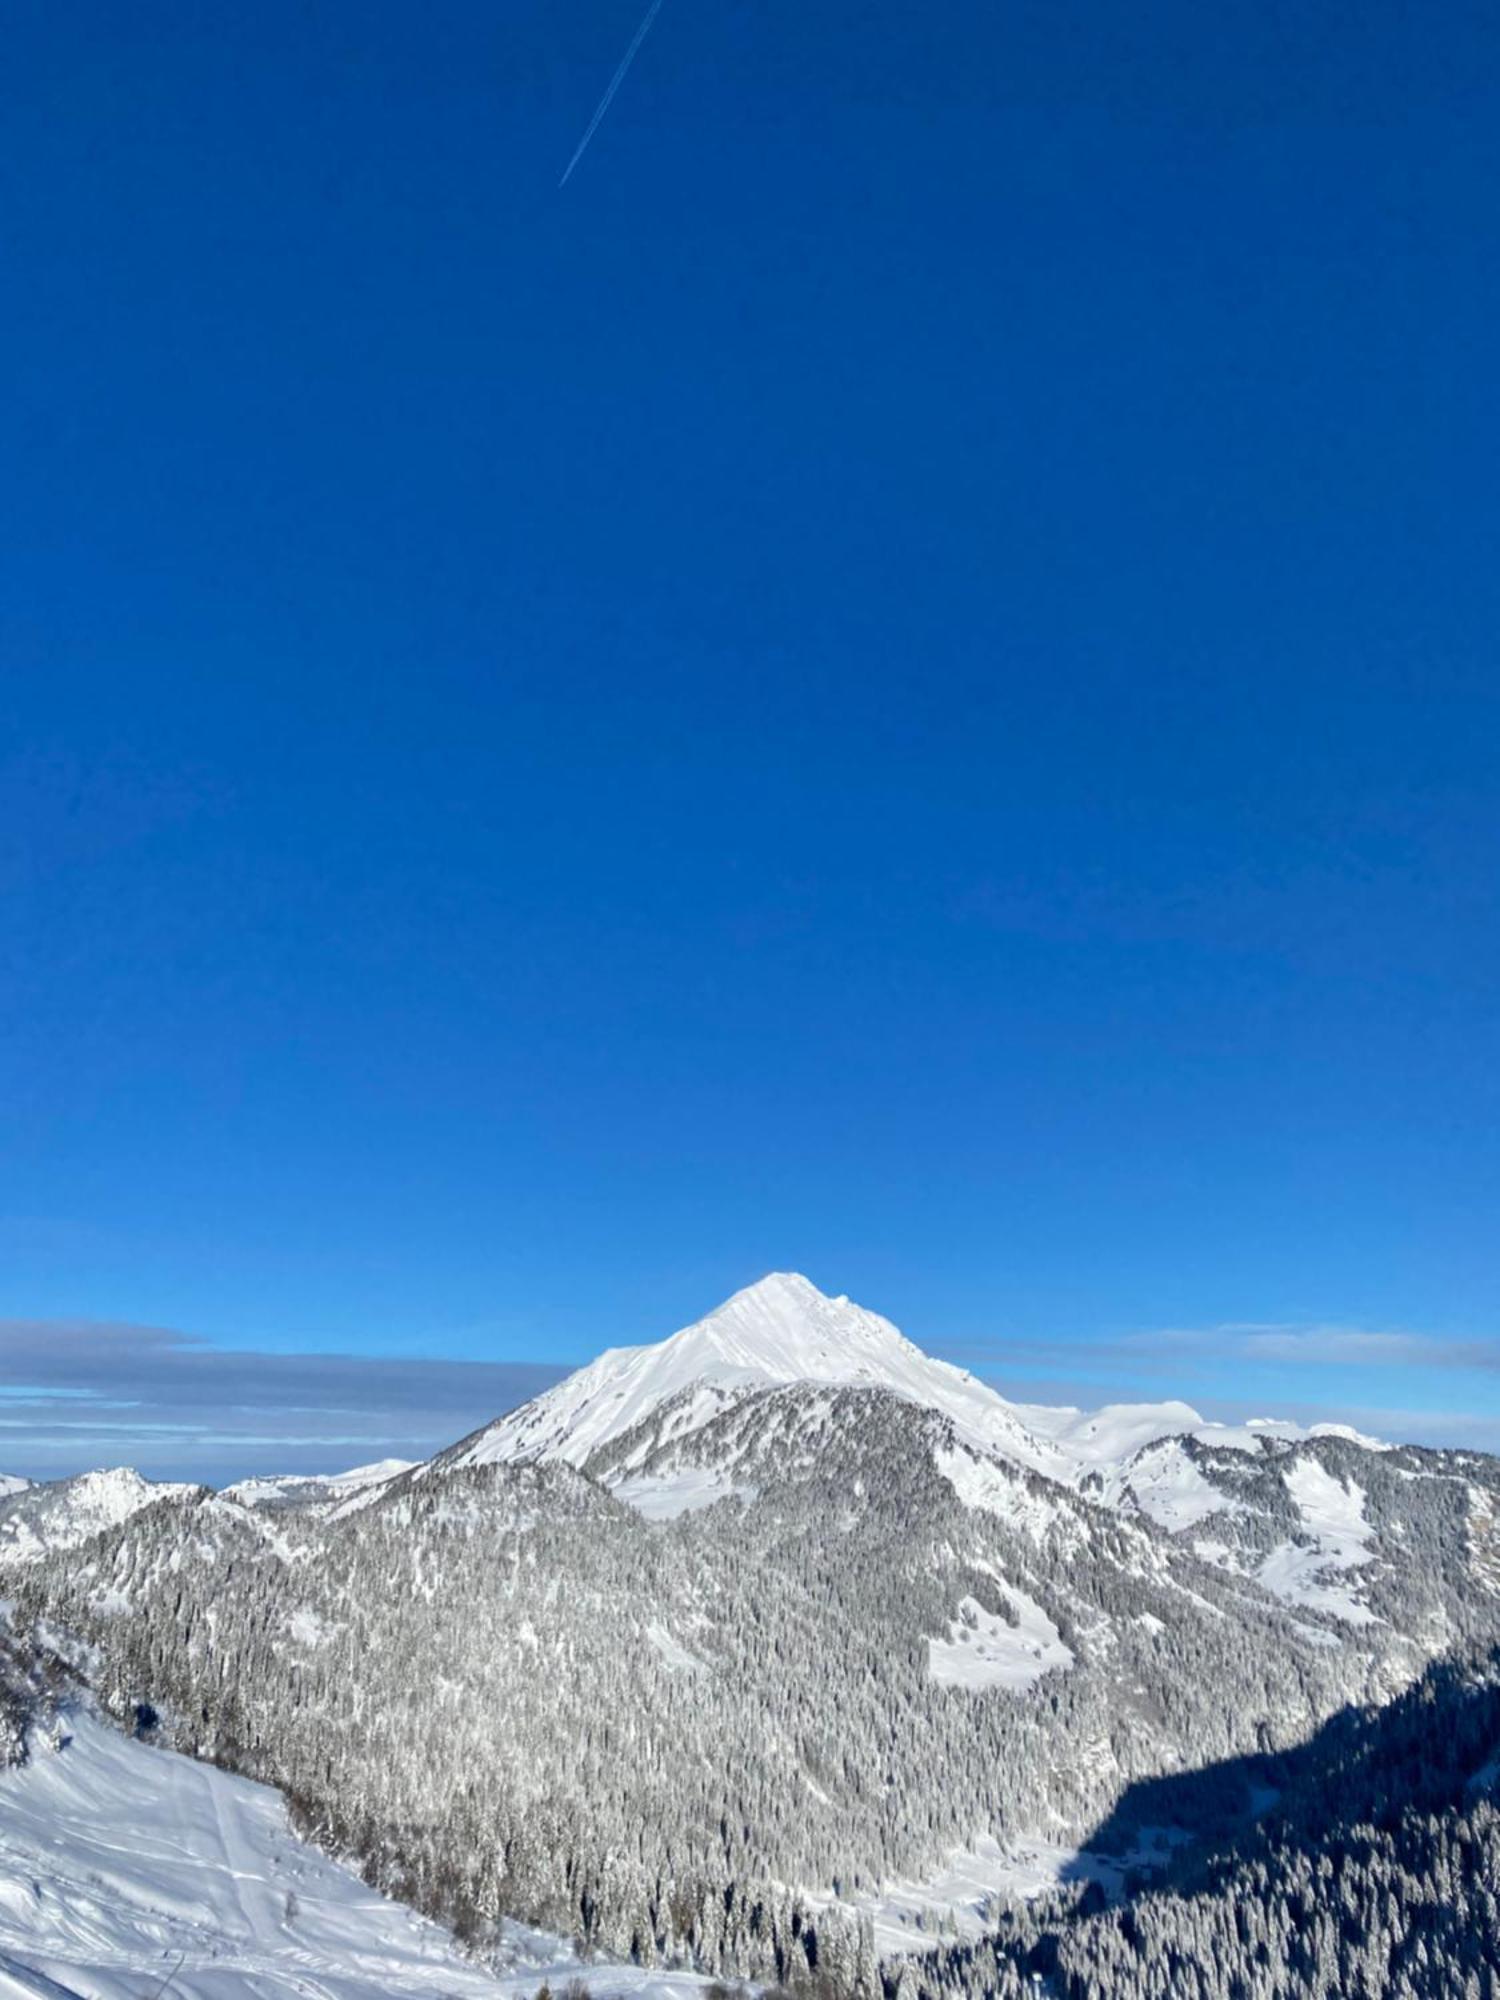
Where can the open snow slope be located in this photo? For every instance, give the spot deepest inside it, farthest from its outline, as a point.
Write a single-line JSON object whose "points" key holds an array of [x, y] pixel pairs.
{"points": [[1335, 1538], [125, 1868], [984, 1649]]}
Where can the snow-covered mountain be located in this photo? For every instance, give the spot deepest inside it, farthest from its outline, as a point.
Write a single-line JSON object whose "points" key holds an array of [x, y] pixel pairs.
{"points": [[779, 1331], [324, 1491], [703, 1415], [782, 1330], [62, 1513]]}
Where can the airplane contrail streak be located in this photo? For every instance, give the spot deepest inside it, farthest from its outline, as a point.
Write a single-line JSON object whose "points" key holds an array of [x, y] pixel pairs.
{"points": [[614, 84]]}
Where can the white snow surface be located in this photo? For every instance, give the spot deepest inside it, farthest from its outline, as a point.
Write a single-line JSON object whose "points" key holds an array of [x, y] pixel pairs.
{"points": [[325, 1489], [1315, 1573], [683, 1492], [907, 1913], [1089, 1439], [778, 1331], [1167, 1486], [983, 1650], [123, 1867], [11, 1482]]}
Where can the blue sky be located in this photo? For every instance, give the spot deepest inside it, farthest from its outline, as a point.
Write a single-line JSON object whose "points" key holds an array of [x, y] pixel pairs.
{"points": [[899, 681]]}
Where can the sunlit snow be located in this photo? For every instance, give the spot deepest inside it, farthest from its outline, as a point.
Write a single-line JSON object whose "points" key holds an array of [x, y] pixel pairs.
{"points": [[34, 1520], [984, 1650], [1313, 1572]]}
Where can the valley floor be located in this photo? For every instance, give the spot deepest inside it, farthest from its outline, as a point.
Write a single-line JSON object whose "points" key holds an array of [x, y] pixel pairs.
{"points": [[125, 1870], [954, 1901]]}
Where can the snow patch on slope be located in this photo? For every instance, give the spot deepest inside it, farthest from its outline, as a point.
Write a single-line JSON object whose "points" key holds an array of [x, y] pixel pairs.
{"points": [[1314, 1571], [676, 1656], [1169, 1488], [958, 1897], [985, 1650], [663, 1497], [990, 1487]]}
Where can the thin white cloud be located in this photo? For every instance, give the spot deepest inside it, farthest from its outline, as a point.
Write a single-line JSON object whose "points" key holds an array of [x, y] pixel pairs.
{"points": [[1319, 1344]]}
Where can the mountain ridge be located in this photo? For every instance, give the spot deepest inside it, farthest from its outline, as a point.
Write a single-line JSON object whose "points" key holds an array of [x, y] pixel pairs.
{"points": [[779, 1330]]}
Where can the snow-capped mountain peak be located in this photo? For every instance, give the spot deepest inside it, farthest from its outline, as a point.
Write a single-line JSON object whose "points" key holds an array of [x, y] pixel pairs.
{"points": [[780, 1330], [644, 1419], [328, 1490], [783, 1329]]}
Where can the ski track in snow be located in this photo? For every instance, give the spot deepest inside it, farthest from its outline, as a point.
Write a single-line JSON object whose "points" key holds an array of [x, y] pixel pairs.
{"points": [[117, 1859]]}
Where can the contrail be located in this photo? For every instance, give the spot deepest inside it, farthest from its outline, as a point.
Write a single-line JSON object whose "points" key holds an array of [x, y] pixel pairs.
{"points": [[614, 84]]}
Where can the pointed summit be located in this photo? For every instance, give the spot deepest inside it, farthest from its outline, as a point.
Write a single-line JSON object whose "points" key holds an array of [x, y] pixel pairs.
{"points": [[780, 1330], [783, 1329]]}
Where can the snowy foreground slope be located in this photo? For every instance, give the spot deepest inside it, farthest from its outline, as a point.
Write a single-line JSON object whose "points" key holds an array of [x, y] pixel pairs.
{"points": [[123, 1866]]}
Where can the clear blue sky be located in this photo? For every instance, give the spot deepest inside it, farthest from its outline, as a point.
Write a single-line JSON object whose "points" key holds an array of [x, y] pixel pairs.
{"points": [[899, 681]]}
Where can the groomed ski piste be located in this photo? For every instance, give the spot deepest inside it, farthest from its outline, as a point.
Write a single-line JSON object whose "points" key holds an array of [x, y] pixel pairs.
{"points": [[127, 1871]]}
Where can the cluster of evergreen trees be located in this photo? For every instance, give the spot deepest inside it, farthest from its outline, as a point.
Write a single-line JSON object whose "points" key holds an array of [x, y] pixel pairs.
{"points": [[32, 1683], [1374, 1875]]}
